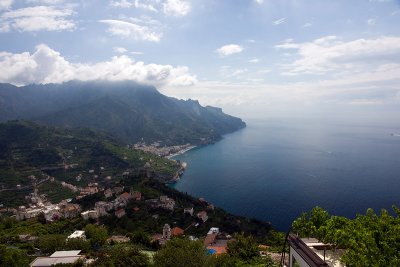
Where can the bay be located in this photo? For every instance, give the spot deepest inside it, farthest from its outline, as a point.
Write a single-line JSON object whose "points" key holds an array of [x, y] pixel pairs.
{"points": [[275, 169]]}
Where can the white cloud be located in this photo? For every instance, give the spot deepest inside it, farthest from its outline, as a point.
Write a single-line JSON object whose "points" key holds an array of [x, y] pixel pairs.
{"points": [[38, 18], [229, 49], [279, 21], [132, 30], [46, 2], [121, 3], [329, 54], [307, 25], [177, 8], [4, 27], [120, 50], [260, 2], [254, 60], [5, 4], [46, 65], [371, 22], [375, 87], [135, 4], [149, 7]]}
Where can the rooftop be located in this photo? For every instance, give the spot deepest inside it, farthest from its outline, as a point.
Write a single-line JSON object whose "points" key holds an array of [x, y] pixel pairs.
{"points": [[66, 253], [49, 261], [77, 234], [324, 251], [58, 257], [315, 253]]}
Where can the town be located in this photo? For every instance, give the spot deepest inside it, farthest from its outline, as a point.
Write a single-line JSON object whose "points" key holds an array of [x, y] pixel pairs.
{"points": [[115, 204], [163, 151]]}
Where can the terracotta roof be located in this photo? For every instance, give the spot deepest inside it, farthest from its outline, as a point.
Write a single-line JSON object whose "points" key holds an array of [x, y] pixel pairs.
{"points": [[125, 195], [210, 239], [218, 250], [177, 231]]}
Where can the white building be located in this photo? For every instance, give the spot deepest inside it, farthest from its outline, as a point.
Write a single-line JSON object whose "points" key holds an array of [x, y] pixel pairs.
{"points": [[77, 234], [58, 257], [309, 252], [213, 230], [92, 214], [188, 211], [166, 232]]}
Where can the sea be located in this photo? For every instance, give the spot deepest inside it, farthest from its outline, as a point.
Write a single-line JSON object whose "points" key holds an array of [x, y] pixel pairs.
{"points": [[275, 169]]}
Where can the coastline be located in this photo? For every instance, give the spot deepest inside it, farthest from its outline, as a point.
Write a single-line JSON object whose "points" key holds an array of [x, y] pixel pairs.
{"points": [[180, 152]]}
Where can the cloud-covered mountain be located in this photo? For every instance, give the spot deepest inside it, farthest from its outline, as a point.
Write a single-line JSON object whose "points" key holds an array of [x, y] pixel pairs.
{"points": [[125, 109]]}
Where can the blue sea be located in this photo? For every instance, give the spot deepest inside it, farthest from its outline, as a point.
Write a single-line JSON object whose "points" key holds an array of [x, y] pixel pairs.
{"points": [[275, 169]]}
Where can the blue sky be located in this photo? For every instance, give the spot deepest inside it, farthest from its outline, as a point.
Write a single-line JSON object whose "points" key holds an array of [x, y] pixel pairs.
{"points": [[254, 58]]}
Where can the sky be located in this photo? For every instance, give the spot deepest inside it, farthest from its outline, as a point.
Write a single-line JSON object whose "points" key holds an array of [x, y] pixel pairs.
{"points": [[253, 58]]}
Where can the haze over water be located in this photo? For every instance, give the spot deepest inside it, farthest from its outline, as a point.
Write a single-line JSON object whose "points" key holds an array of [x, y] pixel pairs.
{"points": [[275, 169]]}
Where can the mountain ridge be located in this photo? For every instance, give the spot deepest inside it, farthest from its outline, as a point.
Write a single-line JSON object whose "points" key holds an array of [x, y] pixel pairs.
{"points": [[130, 111]]}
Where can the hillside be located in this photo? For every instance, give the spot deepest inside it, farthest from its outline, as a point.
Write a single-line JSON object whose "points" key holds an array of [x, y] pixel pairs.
{"points": [[127, 110], [30, 153]]}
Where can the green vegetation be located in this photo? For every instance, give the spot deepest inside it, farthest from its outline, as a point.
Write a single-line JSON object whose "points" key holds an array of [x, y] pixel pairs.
{"points": [[242, 250], [126, 110], [30, 154], [65, 155], [181, 252], [123, 255], [12, 257], [97, 235], [55, 192], [369, 240]]}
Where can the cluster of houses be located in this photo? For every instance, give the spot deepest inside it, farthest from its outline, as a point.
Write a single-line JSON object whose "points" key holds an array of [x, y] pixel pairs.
{"points": [[92, 188], [103, 208], [51, 212], [215, 241], [162, 151], [162, 202]]}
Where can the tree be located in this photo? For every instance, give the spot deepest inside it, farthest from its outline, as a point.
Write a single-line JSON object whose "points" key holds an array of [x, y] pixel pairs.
{"points": [[374, 240], [78, 263], [123, 255], [319, 216], [369, 240], [303, 226], [96, 234], [334, 231], [181, 252], [141, 237], [243, 248], [77, 244], [50, 243], [12, 257]]}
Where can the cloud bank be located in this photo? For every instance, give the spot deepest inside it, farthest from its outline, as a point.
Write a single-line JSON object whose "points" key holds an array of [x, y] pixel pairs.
{"points": [[229, 49], [175, 8], [131, 30], [46, 65], [38, 18], [329, 54]]}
